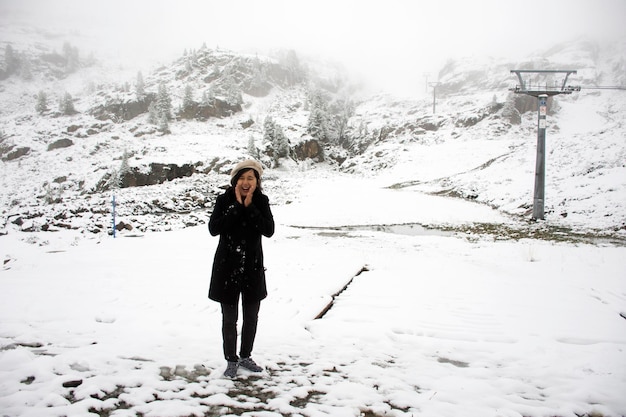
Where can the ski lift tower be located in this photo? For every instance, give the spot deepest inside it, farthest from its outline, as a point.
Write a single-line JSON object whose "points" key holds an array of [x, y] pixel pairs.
{"points": [[542, 92]]}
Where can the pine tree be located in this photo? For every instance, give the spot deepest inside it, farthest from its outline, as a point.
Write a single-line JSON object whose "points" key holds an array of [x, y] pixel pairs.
{"points": [[153, 116], [291, 62], [252, 149], [42, 102], [232, 92], [140, 87], [124, 166], [188, 98], [164, 103], [26, 69], [268, 129], [117, 178], [163, 126], [274, 134], [71, 57], [342, 110], [208, 97], [318, 124], [66, 105], [281, 143]]}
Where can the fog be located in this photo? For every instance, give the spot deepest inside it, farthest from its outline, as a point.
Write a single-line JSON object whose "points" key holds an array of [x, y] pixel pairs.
{"points": [[395, 44]]}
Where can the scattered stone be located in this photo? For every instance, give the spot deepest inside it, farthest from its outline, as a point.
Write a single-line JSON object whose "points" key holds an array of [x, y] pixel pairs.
{"points": [[18, 153], [61, 143], [28, 380], [73, 383]]}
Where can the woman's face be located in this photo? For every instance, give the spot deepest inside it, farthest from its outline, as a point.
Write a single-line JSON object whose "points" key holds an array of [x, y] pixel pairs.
{"points": [[247, 182]]}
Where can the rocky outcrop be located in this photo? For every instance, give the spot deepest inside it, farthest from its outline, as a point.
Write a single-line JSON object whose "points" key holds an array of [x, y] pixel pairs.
{"points": [[61, 143], [158, 174], [16, 153], [217, 109], [309, 149], [118, 110]]}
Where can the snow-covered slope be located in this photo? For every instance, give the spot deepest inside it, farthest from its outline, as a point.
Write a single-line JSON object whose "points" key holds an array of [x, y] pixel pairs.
{"points": [[55, 168]]}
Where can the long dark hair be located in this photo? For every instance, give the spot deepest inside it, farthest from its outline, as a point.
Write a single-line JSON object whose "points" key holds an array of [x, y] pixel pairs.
{"points": [[233, 180]]}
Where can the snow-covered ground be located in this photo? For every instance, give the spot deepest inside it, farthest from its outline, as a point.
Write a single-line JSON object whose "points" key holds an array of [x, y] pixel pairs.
{"points": [[424, 321], [430, 324]]}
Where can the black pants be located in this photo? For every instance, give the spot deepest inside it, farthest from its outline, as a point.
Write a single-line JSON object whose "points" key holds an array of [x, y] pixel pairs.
{"points": [[248, 329]]}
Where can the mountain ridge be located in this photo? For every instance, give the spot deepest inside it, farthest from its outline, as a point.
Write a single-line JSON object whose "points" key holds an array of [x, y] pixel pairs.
{"points": [[65, 163]]}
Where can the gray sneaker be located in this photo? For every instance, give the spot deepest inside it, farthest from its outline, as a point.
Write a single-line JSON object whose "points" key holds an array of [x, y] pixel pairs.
{"points": [[231, 369], [250, 365]]}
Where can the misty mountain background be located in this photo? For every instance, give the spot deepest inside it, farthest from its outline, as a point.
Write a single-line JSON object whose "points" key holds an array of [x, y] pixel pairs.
{"points": [[77, 129]]}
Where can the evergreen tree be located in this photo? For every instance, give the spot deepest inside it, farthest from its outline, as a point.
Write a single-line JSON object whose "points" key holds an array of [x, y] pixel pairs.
{"points": [[164, 102], [363, 131], [26, 69], [232, 92], [342, 111], [274, 134], [281, 143], [188, 98], [163, 125], [319, 118], [153, 116], [208, 97], [124, 166], [66, 104], [140, 87], [291, 62], [252, 149], [42, 102], [70, 54], [317, 126], [117, 178], [268, 129]]}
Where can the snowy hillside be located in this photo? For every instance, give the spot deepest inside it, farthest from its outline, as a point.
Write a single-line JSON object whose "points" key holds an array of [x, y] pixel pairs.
{"points": [[61, 170], [404, 277]]}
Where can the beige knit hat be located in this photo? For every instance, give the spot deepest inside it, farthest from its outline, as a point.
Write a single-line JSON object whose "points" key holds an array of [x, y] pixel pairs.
{"points": [[248, 163]]}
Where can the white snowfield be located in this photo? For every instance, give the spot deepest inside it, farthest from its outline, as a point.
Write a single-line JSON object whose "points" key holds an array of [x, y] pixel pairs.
{"points": [[429, 325]]}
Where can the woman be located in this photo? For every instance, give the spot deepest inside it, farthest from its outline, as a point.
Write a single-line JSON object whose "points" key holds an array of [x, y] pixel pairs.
{"points": [[241, 216]]}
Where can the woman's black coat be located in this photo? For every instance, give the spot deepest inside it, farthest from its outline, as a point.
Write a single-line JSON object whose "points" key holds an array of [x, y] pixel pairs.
{"points": [[238, 264]]}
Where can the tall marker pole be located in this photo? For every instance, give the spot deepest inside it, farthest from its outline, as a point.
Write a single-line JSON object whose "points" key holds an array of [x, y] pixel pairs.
{"points": [[434, 86], [540, 167], [113, 202], [542, 95]]}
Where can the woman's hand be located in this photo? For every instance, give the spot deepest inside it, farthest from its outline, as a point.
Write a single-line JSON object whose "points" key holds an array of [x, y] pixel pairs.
{"points": [[247, 199], [238, 194]]}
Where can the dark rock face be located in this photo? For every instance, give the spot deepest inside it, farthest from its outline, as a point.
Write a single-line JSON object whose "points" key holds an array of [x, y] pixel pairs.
{"points": [[16, 153], [217, 109], [309, 149], [119, 111], [158, 174], [61, 143]]}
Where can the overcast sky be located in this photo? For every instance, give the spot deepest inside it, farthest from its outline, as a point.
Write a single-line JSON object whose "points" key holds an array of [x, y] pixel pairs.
{"points": [[399, 40]]}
